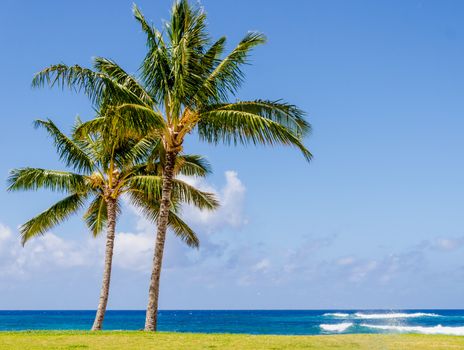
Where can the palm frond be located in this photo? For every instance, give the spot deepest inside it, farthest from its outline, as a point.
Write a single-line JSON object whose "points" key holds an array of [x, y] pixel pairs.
{"points": [[93, 126], [150, 208], [75, 77], [228, 76], [51, 217], [211, 58], [188, 38], [192, 165], [98, 87], [96, 215], [37, 178], [67, 149], [182, 230], [140, 118], [136, 153], [146, 27], [182, 192], [150, 185], [120, 125], [283, 113], [156, 72], [120, 76], [232, 126], [206, 90]]}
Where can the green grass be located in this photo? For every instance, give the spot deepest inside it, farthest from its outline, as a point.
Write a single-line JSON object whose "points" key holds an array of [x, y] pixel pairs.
{"points": [[178, 341]]}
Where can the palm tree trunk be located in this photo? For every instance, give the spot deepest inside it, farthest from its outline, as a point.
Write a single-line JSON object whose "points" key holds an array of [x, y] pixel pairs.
{"points": [[151, 318], [105, 289]]}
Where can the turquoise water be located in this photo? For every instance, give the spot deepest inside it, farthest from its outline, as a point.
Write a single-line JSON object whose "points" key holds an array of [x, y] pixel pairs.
{"points": [[250, 321]]}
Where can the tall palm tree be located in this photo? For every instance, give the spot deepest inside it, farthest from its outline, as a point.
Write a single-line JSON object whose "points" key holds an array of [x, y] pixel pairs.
{"points": [[185, 86], [103, 172], [192, 83]]}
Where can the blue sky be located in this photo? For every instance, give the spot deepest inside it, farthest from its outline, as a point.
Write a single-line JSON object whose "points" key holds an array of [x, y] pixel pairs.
{"points": [[375, 221]]}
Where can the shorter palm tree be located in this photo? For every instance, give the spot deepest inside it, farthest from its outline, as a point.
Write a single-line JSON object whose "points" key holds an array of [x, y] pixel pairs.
{"points": [[103, 172]]}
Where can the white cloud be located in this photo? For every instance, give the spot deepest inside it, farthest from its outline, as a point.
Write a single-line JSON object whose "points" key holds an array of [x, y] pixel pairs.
{"points": [[362, 270], [5, 237], [134, 250], [47, 252], [262, 265], [5, 233], [448, 244], [349, 260], [231, 210]]}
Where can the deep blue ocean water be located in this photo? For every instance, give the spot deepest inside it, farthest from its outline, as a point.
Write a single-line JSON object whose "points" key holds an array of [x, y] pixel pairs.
{"points": [[250, 321]]}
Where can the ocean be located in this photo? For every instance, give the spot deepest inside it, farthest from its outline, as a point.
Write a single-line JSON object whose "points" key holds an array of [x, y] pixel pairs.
{"points": [[295, 322]]}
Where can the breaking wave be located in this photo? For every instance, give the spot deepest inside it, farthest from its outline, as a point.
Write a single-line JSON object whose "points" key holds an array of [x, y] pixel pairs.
{"points": [[393, 315], [339, 327], [418, 329]]}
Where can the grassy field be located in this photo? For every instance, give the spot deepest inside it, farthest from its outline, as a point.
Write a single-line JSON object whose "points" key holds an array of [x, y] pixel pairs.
{"points": [[178, 341]]}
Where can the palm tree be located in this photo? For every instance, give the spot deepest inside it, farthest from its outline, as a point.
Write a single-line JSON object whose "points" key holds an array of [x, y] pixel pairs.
{"points": [[103, 172], [192, 84], [185, 86]]}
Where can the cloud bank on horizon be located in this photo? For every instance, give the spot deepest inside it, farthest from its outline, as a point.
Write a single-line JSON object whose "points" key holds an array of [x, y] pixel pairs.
{"points": [[256, 274]]}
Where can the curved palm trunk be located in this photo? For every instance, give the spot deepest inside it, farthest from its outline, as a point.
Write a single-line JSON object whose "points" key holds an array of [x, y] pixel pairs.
{"points": [[151, 318], [105, 289]]}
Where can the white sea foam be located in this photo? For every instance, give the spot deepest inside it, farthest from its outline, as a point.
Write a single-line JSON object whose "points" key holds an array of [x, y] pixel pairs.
{"points": [[418, 329], [393, 315], [339, 327], [336, 314]]}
